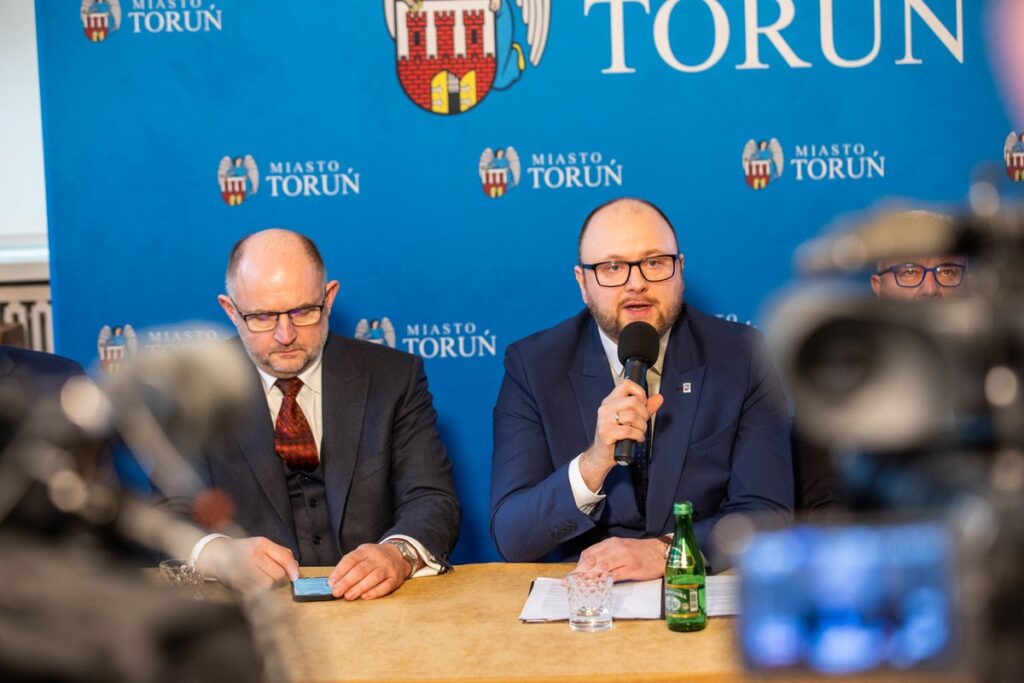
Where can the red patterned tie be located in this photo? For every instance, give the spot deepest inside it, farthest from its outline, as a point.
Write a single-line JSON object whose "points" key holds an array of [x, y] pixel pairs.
{"points": [[293, 439]]}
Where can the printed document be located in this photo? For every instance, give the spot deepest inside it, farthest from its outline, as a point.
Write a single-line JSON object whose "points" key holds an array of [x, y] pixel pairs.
{"points": [[548, 599]]}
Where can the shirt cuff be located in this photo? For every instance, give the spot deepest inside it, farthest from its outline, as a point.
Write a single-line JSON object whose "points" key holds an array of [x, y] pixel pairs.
{"points": [[586, 500], [431, 567], [198, 547]]}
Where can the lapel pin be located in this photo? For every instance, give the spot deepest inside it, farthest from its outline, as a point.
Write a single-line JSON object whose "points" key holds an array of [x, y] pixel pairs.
{"points": [[686, 387]]}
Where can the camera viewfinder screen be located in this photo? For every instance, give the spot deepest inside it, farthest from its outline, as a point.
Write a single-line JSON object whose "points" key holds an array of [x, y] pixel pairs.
{"points": [[847, 599]]}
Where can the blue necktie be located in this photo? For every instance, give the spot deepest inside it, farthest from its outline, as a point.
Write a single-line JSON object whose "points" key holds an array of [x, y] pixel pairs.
{"points": [[638, 471]]}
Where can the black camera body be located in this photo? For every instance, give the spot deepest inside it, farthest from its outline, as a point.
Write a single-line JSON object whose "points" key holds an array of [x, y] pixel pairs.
{"points": [[920, 405]]}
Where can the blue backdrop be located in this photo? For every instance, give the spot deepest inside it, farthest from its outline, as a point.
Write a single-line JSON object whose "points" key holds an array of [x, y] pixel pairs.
{"points": [[322, 110]]}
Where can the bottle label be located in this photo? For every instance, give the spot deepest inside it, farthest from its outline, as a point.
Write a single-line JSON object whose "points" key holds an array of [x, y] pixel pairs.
{"points": [[682, 600]]}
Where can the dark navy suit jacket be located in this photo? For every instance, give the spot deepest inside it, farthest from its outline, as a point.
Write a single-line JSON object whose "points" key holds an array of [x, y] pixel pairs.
{"points": [[41, 373], [721, 439], [385, 469], [28, 381], [28, 378]]}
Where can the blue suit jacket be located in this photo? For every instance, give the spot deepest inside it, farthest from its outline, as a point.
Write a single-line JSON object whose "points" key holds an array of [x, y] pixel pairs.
{"points": [[721, 439], [385, 469]]}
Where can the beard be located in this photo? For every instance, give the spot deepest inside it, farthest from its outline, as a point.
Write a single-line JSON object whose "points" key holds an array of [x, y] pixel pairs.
{"points": [[665, 316]]}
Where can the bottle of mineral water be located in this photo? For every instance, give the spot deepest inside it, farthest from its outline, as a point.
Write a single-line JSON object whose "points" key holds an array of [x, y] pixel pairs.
{"points": [[685, 602]]}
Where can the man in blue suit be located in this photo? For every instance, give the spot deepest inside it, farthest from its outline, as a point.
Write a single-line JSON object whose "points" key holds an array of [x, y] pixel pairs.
{"points": [[339, 462], [720, 423]]}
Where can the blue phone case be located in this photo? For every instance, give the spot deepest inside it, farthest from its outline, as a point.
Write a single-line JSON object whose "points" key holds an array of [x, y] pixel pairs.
{"points": [[310, 589]]}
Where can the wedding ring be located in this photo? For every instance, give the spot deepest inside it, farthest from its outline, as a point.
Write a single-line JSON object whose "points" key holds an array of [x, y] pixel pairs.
{"points": [[617, 419]]}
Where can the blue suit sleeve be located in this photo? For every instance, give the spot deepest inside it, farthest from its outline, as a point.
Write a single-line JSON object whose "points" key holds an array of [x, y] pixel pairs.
{"points": [[532, 507], [761, 475]]}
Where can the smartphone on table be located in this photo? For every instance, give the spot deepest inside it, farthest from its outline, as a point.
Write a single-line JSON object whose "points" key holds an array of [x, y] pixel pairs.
{"points": [[310, 589]]}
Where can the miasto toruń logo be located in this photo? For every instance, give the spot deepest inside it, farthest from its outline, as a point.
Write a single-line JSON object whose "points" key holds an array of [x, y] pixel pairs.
{"points": [[499, 171], [502, 169], [762, 162], [119, 343], [461, 339], [451, 53], [376, 331], [116, 344], [239, 178], [1013, 156], [100, 18]]}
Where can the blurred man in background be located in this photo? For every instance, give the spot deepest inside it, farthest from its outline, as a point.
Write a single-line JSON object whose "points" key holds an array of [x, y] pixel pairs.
{"points": [[922, 277]]}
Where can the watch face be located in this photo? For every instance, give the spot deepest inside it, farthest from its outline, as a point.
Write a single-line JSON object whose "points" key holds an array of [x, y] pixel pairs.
{"points": [[407, 552]]}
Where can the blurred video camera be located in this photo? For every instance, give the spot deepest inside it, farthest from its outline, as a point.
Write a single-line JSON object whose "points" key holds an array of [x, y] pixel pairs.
{"points": [[77, 606], [920, 407]]}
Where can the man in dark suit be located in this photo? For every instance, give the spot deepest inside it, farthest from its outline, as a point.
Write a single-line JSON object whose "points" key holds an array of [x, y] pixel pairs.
{"points": [[26, 378], [339, 461], [720, 425], [41, 373], [30, 384]]}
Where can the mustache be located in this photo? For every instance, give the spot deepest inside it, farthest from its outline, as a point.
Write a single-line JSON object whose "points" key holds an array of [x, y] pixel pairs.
{"points": [[288, 347], [634, 302]]}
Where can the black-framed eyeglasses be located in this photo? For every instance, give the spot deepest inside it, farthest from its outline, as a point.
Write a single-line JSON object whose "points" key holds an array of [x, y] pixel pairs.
{"points": [[616, 273], [267, 321], [913, 274]]}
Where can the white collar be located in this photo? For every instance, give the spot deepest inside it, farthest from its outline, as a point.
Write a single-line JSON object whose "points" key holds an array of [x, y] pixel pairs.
{"points": [[611, 350]]}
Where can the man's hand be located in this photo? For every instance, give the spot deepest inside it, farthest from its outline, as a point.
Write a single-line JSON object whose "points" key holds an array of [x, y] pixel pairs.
{"points": [[248, 564], [628, 559], [623, 414], [372, 570]]}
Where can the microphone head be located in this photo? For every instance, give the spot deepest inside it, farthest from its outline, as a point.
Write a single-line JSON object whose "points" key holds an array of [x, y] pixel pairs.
{"points": [[639, 340]]}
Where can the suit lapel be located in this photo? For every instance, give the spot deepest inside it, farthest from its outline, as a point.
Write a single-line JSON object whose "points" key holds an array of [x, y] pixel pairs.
{"points": [[345, 389], [591, 380], [256, 441], [681, 386]]}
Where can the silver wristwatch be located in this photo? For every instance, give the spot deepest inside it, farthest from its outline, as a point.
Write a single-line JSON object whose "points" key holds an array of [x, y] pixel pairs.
{"points": [[409, 553]]}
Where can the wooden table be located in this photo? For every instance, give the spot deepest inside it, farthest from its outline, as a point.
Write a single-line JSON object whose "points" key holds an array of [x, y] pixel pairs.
{"points": [[464, 626]]}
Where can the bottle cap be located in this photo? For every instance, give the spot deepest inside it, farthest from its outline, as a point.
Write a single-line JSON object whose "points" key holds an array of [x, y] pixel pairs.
{"points": [[683, 507]]}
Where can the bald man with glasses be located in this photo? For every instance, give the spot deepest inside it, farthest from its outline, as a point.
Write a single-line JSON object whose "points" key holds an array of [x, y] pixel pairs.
{"points": [[339, 462]]}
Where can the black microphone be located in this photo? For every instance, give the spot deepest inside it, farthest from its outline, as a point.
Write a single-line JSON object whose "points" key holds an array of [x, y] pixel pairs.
{"points": [[638, 351]]}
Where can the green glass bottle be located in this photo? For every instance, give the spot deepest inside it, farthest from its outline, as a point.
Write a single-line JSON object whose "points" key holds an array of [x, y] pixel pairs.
{"points": [[685, 601]]}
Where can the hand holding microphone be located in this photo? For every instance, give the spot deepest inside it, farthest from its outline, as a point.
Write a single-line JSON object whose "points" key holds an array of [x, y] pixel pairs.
{"points": [[638, 351], [623, 415]]}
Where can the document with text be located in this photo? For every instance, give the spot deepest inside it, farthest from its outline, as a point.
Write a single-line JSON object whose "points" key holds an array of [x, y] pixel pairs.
{"points": [[548, 600]]}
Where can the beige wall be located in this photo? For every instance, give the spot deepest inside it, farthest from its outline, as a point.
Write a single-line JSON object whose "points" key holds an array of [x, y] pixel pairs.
{"points": [[22, 192]]}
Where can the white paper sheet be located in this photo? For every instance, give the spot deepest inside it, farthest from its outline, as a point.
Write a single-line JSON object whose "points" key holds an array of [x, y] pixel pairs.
{"points": [[548, 600], [723, 595]]}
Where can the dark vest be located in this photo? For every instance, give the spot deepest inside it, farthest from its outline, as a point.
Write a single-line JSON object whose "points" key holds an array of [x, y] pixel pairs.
{"points": [[318, 546]]}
